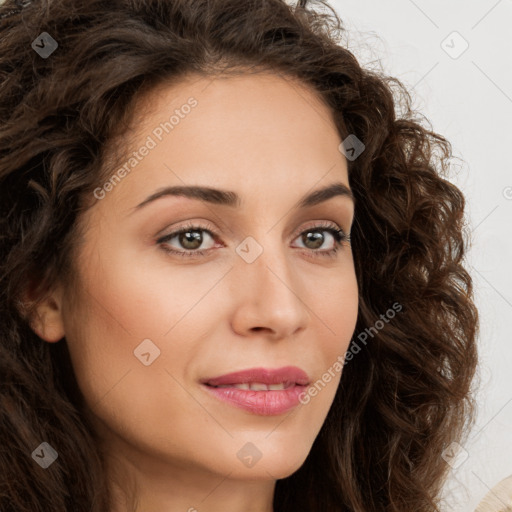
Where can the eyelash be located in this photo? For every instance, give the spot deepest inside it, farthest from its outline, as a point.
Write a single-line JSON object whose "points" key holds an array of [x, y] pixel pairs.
{"points": [[339, 236]]}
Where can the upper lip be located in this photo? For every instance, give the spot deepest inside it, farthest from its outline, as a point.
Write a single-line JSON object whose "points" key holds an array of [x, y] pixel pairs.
{"points": [[287, 374]]}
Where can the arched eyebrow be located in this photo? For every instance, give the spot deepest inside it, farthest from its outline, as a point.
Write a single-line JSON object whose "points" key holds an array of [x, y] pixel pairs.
{"points": [[233, 200]]}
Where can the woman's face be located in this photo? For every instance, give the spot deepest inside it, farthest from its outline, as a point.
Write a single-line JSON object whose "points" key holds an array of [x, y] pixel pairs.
{"points": [[149, 325]]}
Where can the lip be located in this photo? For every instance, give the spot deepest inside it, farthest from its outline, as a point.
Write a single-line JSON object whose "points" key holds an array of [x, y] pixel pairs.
{"points": [[286, 374], [264, 403]]}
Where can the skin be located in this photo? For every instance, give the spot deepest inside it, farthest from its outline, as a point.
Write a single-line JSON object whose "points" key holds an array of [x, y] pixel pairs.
{"points": [[212, 314]]}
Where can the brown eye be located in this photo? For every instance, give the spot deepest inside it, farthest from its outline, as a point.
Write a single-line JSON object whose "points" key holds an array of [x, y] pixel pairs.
{"points": [[191, 240], [313, 239], [188, 241]]}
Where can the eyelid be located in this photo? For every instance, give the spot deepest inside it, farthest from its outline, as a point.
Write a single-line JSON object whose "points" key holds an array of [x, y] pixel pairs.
{"points": [[316, 224], [213, 231], [188, 224]]}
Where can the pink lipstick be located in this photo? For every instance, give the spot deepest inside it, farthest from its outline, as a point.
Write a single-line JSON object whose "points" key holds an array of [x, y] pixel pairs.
{"points": [[259, 390]]}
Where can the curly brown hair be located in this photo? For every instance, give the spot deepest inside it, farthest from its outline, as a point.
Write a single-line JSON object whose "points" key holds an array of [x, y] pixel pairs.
{"points": [[408, 396]]}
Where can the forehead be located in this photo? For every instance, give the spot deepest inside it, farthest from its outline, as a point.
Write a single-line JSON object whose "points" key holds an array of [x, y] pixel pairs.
{"points": [[257, 103], [251, 133]]}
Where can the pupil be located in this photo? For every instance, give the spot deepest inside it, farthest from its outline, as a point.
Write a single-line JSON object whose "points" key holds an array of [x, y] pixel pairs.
{"points": [[196, 239], [316, 237]]}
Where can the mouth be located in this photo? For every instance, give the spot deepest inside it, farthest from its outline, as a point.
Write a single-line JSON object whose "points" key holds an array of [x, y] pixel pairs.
{"points": [[257, 386], [260, 391]]}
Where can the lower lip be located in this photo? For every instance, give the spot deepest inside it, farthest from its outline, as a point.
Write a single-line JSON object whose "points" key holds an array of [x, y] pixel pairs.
{"points": [[264, 403]]}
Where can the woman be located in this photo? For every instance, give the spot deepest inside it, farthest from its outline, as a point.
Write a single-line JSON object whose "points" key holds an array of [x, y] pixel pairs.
{"points": [[232, 278]]}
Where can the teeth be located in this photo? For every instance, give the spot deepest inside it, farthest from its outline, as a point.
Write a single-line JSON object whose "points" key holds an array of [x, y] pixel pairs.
{"points": [[245, 385], [255, 386], [275, 387]]}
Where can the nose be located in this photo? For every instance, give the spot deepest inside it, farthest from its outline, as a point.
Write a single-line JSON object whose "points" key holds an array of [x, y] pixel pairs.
{"points": [[269, 296]]}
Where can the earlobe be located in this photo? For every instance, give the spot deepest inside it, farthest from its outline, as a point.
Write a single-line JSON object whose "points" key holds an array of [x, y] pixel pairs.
{"points": [[46, 320]]}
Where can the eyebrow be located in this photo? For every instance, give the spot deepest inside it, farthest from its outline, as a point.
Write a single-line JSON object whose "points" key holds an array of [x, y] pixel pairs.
{"points": [[233, 200]]}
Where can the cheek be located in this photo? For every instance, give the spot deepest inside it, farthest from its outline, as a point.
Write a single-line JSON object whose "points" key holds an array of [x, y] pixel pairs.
{"points": [[115, 317], [334, 307], [115, 313], [133, 304], [336, 311]]}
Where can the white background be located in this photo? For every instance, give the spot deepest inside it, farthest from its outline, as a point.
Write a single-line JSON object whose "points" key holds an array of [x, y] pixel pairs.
{"points": [[468, 99]]}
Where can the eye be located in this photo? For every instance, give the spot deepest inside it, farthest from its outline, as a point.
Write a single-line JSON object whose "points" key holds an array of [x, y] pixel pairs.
{"points": [[314, 237], [191, 237]]}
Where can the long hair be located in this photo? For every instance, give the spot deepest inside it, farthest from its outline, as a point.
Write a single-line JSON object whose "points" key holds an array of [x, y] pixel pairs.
{"points": [[406, 394]]}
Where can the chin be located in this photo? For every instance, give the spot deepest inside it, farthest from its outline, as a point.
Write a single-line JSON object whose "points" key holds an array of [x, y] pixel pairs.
{"points": [[271, 466]]}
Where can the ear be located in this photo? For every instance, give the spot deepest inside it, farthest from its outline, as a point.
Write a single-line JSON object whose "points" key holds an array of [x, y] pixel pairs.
{"points": [[46, 320]]}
